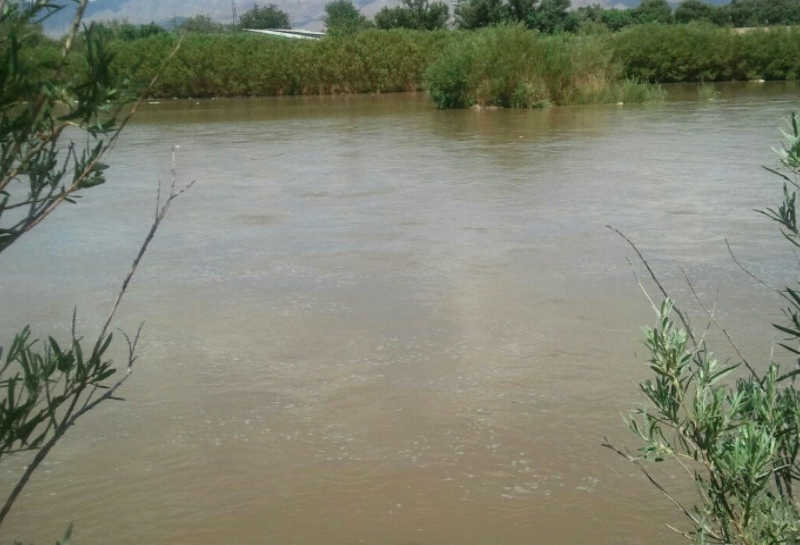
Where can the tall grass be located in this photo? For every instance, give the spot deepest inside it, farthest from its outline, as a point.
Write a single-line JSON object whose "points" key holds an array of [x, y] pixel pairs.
{"points": [[503, 66], [251, 65], [514, 67], [702, 52]]}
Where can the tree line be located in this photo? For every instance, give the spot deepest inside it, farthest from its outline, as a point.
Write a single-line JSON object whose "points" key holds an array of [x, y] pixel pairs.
{"points": [[549, 16]]}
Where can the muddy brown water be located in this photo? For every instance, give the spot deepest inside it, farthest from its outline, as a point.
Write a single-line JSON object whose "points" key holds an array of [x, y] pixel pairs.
{"points": [[374, 322]]}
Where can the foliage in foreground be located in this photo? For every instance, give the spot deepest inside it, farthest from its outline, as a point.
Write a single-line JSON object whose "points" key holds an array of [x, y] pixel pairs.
{"points": [[59, 116], [738, 443]]}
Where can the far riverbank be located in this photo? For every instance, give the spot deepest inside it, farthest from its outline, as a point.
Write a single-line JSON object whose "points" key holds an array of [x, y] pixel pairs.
{"points": [[502, 66]]}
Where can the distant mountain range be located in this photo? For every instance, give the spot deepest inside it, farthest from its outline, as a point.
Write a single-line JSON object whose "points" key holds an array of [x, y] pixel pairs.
{"points": [[302, 13]]}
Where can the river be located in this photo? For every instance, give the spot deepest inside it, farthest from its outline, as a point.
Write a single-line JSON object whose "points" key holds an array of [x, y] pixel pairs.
{"points": [[374, 322]]}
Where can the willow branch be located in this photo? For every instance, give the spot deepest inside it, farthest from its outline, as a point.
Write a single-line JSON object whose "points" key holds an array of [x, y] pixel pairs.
{"points": [[159, 217], [635, 461], [655, 279], [76, 185], [714, 320]]}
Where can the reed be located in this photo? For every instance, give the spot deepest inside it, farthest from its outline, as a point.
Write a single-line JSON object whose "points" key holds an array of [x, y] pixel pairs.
{"points": [[703, 52], [514, 67], [506, 66], [251, 65]]}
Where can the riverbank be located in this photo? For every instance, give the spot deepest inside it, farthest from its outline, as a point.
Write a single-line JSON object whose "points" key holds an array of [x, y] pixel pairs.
{"points": [[504, 66]]}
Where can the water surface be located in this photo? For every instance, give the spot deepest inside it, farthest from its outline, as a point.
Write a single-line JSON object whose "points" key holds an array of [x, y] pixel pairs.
{"points": [[375, 322]]}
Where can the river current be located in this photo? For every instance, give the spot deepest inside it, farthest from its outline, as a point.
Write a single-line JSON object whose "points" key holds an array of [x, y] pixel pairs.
{"points": [[374, 322]]}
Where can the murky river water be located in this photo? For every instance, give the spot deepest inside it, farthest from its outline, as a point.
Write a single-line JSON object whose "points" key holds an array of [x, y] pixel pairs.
{"points": [[374, 322]]}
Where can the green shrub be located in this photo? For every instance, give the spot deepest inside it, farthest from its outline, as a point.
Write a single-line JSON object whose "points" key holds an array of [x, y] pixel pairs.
{"points": [[504, 66], [240, 64], [703, 52], [510, 66], [738, 442]]}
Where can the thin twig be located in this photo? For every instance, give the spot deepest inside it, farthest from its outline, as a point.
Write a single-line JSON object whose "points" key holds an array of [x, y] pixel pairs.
{"points": [[70, 418], [641, 286], [109, 145], [752, 274], [658, 485], [680, 532], [173, 194], [653, 276], [73, 31], [714, 320]]}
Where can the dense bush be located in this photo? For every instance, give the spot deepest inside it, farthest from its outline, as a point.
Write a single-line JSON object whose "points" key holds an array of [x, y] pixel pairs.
{"points": [[342, 17], [251, 65], [414, 14], [264, 17], [201, 23], [513, 67], [698, 52], [543, 15], [494, 66]]}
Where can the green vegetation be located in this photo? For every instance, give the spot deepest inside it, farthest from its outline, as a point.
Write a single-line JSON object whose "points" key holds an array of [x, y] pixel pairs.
{"points": [[543, 15], [342, 18], [513, 67], [250, 65], [529, 58], [414, 14], [127, 32], [264, 17], [738, 13], [59, 115], [201, 24], [540, 69], [736, 441], [701, 52]]}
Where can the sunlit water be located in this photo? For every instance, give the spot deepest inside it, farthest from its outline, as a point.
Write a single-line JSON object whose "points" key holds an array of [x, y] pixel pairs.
{"points": [[374, 322]]}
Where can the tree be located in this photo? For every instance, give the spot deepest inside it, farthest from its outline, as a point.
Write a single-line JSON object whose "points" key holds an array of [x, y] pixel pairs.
{"points": [[342, 17], [553, 16], [202, 24], [125, 31], [737, 441], [396, 17], [267, 17], [521, 11], [592, 13], [617, 19], [414, 14], [693, 10], [743, 13], [471, 14], [57, 121], [653, 11]]}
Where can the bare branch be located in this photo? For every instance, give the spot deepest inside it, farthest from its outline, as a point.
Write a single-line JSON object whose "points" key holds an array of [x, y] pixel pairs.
{"points": [[750, 273], [635, 461], [714, 320], [162, 212], [655, 279], [73, 31]]}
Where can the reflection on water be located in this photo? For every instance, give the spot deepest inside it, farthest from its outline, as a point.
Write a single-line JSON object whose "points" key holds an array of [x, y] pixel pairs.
{"points": [[375, 322]]}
